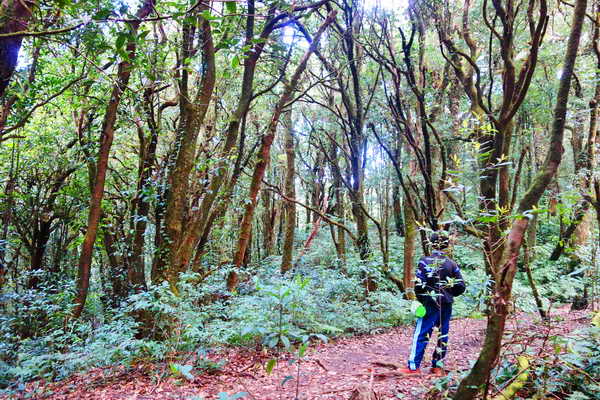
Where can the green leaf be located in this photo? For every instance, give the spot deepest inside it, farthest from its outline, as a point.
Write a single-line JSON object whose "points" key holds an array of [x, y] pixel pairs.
{"points": [[102, 14], [182, 370], [142, 35], [121, 39], [302, 349], [186, 372], [231, 7], [322, 338], [173, 368], [270, 365], [273, 342], [247, 329], [235, 62], [328, 328], [287, 378], [208, 16], [285, 341]]}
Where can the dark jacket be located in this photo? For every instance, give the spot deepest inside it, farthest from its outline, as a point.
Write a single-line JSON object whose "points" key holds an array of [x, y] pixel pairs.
{"points": [[438, 280]]}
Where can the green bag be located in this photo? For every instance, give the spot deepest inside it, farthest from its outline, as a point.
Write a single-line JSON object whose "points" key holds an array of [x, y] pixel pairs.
{"points": [[418, 309]]}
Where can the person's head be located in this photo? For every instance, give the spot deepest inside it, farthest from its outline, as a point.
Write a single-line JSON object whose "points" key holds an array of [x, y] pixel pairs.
{"points": [[439, 241]]}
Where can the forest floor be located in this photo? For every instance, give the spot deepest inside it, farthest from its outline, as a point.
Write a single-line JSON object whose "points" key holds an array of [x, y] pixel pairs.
{"points": [[328, 370]]}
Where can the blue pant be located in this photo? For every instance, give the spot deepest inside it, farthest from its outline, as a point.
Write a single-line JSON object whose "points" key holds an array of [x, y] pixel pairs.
{"points": [[434, 317]]}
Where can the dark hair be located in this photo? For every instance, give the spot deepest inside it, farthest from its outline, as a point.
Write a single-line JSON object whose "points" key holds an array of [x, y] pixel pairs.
{"points": [[439, 241]]}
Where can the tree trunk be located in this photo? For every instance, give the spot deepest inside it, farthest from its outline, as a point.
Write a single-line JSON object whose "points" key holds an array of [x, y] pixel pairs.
{"points": [[39, 241], [290, 191], [106, 139], [397, 210], [318, 187], [362, 228], [199, 220], [341, 234], [193, 110], [269, 222], [316, 225], [586, 161], [16, 15], [141, 201], [339, 238], [117, 268], [410, 236], [219, 212], [308, 212], [265, 155], [7, 214], [504, 274], [528, 258]]}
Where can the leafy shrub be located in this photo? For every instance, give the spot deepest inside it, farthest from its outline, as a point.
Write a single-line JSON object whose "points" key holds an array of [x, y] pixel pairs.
{"points": [[61, 353], [573, 371], [545, 273], [321, 299], [570, 372], [178, 320], [310, 303]]}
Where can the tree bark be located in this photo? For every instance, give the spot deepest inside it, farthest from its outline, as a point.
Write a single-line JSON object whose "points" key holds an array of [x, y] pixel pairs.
{"points": [[39, 241], [341, 234], [141, 202], [362, 227], [410, 236], [117, 268], [16, 15], [43, 225], [290, 191], [316, 225], [106, 139], [196, 229], [265, 155], [479, 375], [193, 109], [397, 210], [7, 213], [528, 258], [269, 219], [581, 210], [586, 161], [339, 237]]}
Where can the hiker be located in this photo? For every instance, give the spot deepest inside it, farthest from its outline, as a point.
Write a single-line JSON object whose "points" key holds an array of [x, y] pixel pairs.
{"points": [[438, 282]]}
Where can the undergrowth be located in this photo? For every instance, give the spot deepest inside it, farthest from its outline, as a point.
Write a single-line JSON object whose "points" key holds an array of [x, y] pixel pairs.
{"points": [[319, 300], [569, 371]]}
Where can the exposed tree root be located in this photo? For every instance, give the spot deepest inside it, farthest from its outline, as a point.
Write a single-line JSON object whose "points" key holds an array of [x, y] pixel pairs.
{"points": [[387, 364]]}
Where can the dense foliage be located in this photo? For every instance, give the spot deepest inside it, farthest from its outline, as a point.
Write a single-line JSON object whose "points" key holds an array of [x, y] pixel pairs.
{"points": [[180, 176]]}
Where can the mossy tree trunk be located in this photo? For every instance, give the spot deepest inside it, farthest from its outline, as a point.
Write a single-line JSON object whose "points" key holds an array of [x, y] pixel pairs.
{"points": [[265, 155], [106, 139], [410, 236], [529, 257], [290, 191], [174, 256], [505, 270]]}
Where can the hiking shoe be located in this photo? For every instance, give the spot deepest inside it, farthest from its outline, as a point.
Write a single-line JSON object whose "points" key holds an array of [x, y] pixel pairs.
{"points": [[437, 371], [408, 371]]}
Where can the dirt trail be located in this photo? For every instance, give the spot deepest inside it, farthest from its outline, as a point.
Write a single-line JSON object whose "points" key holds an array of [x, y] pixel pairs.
{"points": [[329, 371]]}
